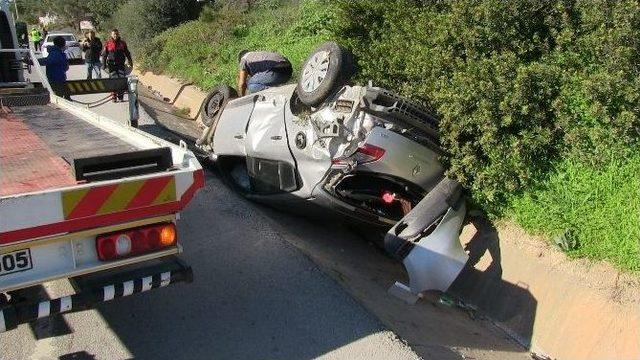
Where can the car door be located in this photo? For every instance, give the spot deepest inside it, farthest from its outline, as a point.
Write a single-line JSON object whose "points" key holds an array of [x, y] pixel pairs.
{"points": [[271, 166], [231, 129]]}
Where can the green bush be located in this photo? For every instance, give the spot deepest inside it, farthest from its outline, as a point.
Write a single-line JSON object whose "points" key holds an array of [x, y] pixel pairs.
{"points": [[140, 20], [518, 85]]}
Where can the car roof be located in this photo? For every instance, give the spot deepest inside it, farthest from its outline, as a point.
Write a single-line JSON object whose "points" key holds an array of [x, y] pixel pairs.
{"points": [[50, 35]]}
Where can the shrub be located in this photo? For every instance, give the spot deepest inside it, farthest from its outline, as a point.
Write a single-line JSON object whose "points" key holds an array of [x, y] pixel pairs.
{"points": [[517, 85], [140, 20]]}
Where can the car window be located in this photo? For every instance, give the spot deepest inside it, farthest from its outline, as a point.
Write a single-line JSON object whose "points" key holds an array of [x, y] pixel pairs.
{"points": [[271, 176]]}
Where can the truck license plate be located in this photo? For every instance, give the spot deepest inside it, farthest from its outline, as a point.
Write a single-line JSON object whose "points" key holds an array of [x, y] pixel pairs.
{"points": [[15, 261]]}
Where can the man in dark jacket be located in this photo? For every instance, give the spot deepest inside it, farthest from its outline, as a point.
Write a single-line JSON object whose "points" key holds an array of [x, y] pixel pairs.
{"points": [[92, 47], [114, 54]]}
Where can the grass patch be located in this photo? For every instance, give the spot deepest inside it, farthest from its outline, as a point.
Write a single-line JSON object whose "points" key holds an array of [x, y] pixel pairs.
{"points": [[600, 206], [205, 51]]}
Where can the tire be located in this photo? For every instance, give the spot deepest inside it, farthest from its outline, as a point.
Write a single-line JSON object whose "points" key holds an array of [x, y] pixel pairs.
{"points": [[215, 102], [316, 84]]}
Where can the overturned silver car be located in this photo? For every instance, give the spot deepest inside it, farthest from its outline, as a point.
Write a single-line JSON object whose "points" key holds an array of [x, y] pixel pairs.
{"points": [[359, 151]]}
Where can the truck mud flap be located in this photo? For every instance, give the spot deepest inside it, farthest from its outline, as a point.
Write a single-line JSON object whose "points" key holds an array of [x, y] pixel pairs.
{"points": [[427, 242], [100, 287]]}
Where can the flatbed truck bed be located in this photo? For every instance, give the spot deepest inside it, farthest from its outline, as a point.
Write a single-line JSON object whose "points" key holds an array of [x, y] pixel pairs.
{"points": [[38, 146]]}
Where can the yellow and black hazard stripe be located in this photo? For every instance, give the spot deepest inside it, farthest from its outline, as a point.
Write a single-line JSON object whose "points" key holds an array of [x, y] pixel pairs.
{"points": [[94, 86], [85, 86], [109, 199]]}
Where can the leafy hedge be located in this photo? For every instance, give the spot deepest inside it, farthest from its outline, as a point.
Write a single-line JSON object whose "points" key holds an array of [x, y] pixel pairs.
{"points": [[518, 84]]}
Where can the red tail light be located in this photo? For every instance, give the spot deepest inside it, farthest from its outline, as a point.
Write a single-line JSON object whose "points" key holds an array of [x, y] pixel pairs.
{"points": [[365, 154], [136, 241], [388, 197]]}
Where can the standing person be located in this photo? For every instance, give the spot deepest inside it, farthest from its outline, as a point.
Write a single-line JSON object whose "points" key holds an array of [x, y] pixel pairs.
{"points": [[262, 69], [56, 62], [92, 47], [114, 54], [44, 36], [35, 39]]}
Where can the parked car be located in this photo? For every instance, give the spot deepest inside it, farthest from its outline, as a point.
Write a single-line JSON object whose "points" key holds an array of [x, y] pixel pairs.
{"points": [[72, 50], [358, 152]]}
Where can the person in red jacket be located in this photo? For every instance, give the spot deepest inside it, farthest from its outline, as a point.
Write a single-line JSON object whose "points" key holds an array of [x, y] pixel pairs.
{"points": [[115, 56]]}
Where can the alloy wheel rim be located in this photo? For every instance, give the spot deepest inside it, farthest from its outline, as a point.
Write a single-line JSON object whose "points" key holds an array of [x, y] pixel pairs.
{"points": [[316, 71], [214, 105]]}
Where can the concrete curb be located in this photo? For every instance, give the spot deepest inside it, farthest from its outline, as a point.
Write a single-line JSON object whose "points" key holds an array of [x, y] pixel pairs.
{"points": [[175, 92], [191, 98]]}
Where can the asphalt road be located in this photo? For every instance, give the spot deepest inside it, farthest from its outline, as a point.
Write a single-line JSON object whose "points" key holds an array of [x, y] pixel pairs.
{"points": [[267, 285]]}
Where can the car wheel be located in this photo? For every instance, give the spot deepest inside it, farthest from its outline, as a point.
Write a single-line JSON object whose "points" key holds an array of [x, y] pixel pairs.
{"points": [[215, 102], [327, 69]]}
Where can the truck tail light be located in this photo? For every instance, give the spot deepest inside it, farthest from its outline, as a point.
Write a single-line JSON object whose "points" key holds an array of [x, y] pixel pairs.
{"points": [[365, 154], [133, 242]]}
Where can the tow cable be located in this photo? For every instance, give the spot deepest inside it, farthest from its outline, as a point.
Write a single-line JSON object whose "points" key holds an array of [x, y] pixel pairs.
{"points": [[96, 103]]}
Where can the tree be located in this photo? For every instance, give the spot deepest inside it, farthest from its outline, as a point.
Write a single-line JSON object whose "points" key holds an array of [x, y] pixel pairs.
{"points": [[30, 10], [69, 12], [140, 20], [103, 10]]}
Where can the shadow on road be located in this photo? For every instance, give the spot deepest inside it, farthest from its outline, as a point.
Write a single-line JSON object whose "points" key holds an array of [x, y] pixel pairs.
{"points": [[48, 327]]}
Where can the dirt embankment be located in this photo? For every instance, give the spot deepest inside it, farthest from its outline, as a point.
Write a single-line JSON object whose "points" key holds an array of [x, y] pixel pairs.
{"points": [[564, 308]]}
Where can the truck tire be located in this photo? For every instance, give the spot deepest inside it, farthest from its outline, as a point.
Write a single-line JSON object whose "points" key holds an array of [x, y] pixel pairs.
{"points": [[326, 70], [215, 102]]}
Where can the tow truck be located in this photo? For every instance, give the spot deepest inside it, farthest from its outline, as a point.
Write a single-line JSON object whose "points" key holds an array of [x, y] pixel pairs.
{"points": [[82, 197]]}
